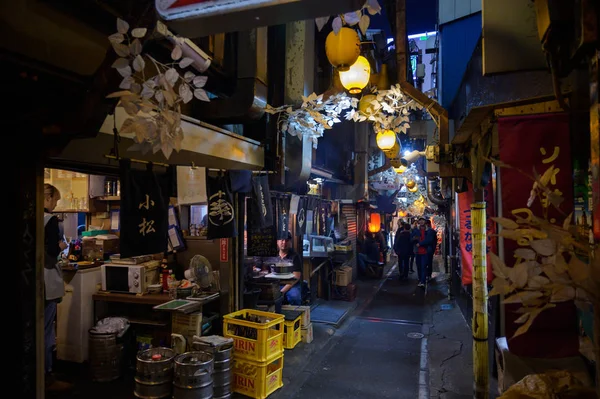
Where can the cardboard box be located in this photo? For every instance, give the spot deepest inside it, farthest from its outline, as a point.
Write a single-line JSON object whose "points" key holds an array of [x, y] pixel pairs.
{"points": [[343, 276], [99, 246], [305, 313], [307, 334]]}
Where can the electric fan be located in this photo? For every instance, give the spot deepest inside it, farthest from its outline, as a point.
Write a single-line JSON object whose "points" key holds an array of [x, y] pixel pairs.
{"points": [[200, 272]]}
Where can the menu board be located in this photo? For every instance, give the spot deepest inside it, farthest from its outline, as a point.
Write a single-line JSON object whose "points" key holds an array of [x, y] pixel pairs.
{"points": [[262, 242]]}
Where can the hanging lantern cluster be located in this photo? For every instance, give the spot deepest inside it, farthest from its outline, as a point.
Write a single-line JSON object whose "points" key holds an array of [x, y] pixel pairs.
{"points": [[374, 223], [413, 194]]}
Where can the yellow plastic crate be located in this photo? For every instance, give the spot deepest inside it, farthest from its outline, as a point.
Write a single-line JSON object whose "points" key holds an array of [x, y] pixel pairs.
{"points": [[259, 341], [291, 332], [257, 380]]}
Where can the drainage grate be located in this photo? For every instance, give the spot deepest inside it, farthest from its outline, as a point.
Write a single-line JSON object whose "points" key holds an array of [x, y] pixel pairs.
{"points": [[415, 335]]}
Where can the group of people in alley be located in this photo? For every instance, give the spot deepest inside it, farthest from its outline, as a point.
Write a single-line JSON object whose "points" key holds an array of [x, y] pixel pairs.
{"points": [[416, 242]]}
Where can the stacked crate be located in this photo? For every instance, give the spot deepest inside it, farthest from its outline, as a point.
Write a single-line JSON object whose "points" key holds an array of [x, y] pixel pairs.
{"points": [[306, 328], [258, 351]]}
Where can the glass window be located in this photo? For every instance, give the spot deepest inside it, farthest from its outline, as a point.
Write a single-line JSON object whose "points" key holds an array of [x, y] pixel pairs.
{"points": [[198, 220]]}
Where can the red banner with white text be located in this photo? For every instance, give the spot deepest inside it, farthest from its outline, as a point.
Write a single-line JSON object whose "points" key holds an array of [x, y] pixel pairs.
{"points": [[465, 200]]}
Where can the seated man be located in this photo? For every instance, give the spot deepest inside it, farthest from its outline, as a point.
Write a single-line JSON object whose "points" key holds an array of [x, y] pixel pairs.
{"points": [[369, 254], [293, 290]]}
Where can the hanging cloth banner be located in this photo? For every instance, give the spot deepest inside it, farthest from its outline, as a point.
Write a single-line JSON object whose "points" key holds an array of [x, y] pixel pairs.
{"points": [[283, 212], [261, 241], [301, 217], [323, 215], [144, 212], [262, 210], [465, 199], [241, 181], [221, 214], [527, 143]]}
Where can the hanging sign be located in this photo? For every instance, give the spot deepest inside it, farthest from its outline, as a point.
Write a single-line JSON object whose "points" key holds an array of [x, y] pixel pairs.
{"points": [[262, 241], [224, 245], [197, 18], [143, 214], [465, 200], [221, 215]]}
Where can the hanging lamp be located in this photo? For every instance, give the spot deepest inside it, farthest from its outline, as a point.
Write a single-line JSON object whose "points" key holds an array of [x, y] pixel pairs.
{"points": [[357, 77], [364, 105], [342, 49], [386, 139], [374, 223]]}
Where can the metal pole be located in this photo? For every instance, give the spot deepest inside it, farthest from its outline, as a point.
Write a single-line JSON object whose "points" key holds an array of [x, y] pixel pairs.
{"points": [[480, 299]]}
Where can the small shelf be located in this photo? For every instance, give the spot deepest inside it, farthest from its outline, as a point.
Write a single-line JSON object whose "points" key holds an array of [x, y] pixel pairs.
{"points": [[109, 198]]}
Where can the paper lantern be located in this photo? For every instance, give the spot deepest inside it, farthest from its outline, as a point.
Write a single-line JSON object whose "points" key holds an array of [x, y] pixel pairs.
{"points": [[343, 49], [386, 139], [375, 223], [412, 186], [357, 77]]}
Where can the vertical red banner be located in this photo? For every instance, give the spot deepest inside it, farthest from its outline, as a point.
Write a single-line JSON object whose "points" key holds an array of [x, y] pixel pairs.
{"points": [[224, 244], [537, 142], [466, 233]]}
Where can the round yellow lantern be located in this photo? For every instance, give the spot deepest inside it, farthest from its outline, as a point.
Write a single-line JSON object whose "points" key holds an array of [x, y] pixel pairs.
{"points": [[357, 77], [386, 139], [343, 49], [396, 162], [411, 185], [365, 103]]}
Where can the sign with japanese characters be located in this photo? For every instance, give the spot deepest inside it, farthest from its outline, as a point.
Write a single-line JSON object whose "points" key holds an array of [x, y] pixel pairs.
{"points": [[465, 200], [221, 214], [143, 213]]}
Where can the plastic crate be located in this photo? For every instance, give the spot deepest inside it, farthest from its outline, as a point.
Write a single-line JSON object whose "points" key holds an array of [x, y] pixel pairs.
{"points": [[187, 325], [255, 379], [257, 341], [291, 328]]}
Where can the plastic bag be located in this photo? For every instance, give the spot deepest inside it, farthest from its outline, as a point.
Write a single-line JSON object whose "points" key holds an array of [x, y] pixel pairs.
{"points": [[553, 384], [112, 325]]}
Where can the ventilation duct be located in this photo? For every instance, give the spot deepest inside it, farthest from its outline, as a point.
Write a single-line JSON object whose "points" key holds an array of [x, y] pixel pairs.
{"points": [[249, 99], [433, 192]]}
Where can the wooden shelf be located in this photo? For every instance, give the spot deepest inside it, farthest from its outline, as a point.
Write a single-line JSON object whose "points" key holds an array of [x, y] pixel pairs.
{"points": [[108, 198]]}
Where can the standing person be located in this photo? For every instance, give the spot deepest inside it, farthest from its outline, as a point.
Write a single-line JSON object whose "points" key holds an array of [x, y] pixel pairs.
{"points": [[423, 247], [54, 288], [292, 290], [414, 237], [403, 248], [432, 237]]}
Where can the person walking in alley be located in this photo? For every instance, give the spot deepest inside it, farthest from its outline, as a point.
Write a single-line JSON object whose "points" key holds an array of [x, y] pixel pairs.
{"points": [[431, 249], [403, 247], [424, 246], [414, 238], [369, 254]]}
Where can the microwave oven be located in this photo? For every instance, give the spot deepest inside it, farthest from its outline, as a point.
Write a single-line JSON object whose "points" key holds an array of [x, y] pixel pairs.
{"points": [[124, 278]]}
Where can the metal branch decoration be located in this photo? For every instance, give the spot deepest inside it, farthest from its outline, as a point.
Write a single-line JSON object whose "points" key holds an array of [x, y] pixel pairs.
{"points": [[153, 102], [353, 18]]}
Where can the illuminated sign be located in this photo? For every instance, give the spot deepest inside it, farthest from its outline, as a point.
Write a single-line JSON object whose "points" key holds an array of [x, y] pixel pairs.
{"points": [[197, 18]]}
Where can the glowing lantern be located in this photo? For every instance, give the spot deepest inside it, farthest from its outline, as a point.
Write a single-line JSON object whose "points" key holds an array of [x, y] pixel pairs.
{"points": [[412, 186], [386, 139], [402, 214], [343, 49], [357, 77], [400, 170], [375, 223], [364, 105]]}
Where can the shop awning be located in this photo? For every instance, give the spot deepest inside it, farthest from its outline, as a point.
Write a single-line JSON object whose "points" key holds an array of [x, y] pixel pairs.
{"points": [[203, 145]]}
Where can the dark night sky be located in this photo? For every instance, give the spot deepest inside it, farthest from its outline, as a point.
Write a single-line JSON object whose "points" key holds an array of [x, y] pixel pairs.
{"points": [[421, 16]]}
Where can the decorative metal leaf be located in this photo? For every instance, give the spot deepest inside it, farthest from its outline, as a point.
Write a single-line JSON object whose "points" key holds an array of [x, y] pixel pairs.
{"points": [[139, 32], [130, 107], [126, 83], [200, 81], [120, 63], [336, 25], [518, 275], [321, 21], [139, 63], [363, 24], [177, 53], [121, 49], [352, 18], [373, 7], [525, 253], [125, 72], [201, 95], [169, 97], [172, 76], [186, 62], [122, 26], [147, 92], [116, 38], [135, 48], [189, 76], [543, 247], [128, 126], [118, 94], [185, 93], [136, 88]]}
